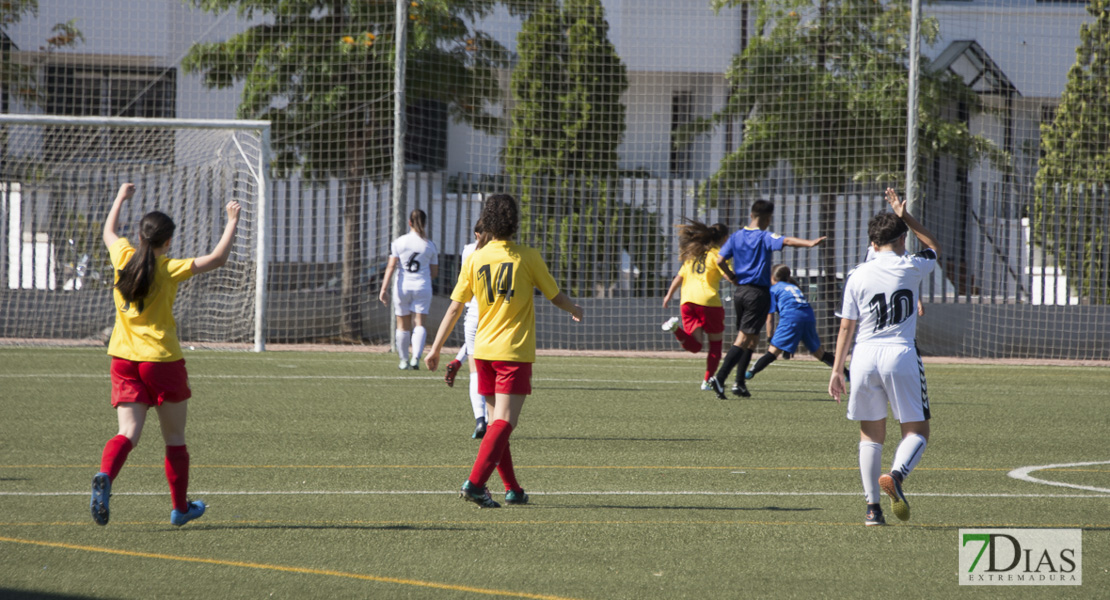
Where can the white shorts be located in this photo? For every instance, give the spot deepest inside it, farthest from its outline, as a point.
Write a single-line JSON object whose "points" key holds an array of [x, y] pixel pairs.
{"points": [[470, 329], [888, 374], [412, 299]]}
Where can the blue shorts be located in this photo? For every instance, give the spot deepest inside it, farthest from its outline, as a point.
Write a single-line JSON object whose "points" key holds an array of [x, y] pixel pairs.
{"points": [[790, 332]]}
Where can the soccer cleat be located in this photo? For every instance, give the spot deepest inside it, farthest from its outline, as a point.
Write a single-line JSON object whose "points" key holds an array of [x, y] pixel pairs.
{"points": [[748, 375], [741, 389], [477, 495], [196, 509], [101, 491], [403, 365], [414, 363], [717, 388], [893, 488], [705, 387], [874, 516], [452, 370], [479, 429], [512, 497], [671, 324]]}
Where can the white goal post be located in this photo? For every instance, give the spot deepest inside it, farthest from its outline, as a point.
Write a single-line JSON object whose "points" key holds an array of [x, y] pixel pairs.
{"points": [[58, 175]]}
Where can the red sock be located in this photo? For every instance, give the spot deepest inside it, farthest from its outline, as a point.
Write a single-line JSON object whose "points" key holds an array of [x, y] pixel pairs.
{"points": [[688, 342], [177, 473], [115, 454], [489, 453], [505, 470], [713, 359]]}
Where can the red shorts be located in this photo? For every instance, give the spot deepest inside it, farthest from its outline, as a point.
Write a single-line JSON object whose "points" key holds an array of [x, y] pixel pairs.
{"points": [[150, 383], [503, 377], [710, 318]]}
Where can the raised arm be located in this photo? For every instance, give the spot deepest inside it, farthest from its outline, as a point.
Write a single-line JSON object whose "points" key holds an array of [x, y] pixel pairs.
{"points": [[899, 207], [218, 256], [802, 243], [564, 302], [126, 191]]}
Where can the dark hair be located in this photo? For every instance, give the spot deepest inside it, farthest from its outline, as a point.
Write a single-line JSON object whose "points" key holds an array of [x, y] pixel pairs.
{"points": [[500, 216], [763, 208], [782, 273], [417, 220], [696, 238], [137, 276], [884, 228], [720, 233], [480, 230]]}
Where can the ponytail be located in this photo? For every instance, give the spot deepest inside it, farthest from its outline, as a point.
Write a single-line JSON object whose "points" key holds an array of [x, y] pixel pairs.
{"points": [[782, 273], [137, 277], [418, 220]]}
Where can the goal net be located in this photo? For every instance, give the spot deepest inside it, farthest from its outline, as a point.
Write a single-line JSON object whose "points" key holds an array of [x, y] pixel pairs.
{"points": [[58, 178], [611, 121]]}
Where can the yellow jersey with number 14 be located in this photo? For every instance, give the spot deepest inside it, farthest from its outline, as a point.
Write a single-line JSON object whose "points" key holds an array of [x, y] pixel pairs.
{"points": [[501, 276]]}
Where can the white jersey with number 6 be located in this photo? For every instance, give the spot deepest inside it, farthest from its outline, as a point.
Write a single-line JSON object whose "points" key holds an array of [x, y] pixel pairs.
{"points": [[881, 296], [412, 290]]}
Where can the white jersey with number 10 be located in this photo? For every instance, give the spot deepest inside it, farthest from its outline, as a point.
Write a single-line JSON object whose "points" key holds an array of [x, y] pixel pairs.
{"points": [[881, 296]]}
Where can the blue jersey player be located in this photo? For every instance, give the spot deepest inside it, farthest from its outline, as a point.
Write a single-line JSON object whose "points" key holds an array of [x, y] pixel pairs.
{"points": [[750, 250], [797, 323]]}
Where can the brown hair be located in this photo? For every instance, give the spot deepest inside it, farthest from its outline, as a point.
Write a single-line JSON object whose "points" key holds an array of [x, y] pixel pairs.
{"points": [[885, 228], [418, 219], [483, 237], [137, 276], [500, 216], [782, 273], [696, 238]]}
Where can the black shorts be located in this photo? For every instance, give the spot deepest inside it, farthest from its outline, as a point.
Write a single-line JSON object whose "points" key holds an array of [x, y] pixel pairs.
{"points": [[752, 304]]}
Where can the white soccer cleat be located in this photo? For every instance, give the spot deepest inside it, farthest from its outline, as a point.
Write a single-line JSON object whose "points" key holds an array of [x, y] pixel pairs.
{"points": [[670, 324], [705, 387], [403, 365], [414, 363]]}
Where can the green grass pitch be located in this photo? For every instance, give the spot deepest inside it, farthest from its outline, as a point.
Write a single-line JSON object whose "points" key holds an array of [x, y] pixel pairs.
{"points": [[335, 476]]}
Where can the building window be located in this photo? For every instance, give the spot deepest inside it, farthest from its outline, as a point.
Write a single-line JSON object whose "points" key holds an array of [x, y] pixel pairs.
{"points": [[682, 114], [110, 92], [426, 135]]}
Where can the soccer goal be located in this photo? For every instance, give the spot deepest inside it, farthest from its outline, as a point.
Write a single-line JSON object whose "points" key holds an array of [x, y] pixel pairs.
{"points": [[58, 176]]}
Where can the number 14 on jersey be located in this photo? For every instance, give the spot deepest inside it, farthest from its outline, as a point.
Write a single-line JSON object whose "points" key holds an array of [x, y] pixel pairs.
{"points": [[496, 284]]}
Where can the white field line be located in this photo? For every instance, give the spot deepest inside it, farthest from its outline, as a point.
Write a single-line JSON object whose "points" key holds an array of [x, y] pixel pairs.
{"points": [[554, 493], [256, 378], [1023, 474]]}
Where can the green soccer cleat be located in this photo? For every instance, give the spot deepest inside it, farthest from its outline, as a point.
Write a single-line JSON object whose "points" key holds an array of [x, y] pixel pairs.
{"points": [[512, 497], [477, 495], [891, 484]]}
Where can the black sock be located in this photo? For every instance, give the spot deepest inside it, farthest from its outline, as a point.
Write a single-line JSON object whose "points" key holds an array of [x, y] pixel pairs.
{"points": [[728, 363], [763, 361], [828, 359], [745, 360]]}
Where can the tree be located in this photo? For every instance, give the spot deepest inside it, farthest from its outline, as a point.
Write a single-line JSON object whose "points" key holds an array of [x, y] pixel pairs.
{"points": [[321, 71], [567, 122], [22, 80], [822, 86], [1070, 185]]}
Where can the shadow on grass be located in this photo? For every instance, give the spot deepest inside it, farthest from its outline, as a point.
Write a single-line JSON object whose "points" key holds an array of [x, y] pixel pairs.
{"points": [[10, 594], [323, 527], [589, 388], [610, 439], [713, 508]]}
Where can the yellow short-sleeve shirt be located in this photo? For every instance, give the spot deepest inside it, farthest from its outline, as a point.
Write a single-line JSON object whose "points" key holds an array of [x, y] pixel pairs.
{"points": [[701, 280], [502, 275], [149, 334]]}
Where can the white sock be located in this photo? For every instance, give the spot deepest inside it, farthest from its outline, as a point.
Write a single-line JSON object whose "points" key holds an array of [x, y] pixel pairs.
{"points": [[477, 401], [419, 336], [870, 467], [461, 356], [403, 338], [908, 454]]}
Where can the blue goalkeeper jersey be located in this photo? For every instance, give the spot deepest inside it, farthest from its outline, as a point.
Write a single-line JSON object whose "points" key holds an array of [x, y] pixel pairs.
{"points": [[788, 301]]}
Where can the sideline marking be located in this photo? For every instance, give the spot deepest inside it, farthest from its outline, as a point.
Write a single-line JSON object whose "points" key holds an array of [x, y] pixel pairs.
{"points": [[461, 466], [1106, 493], [303, 570], [1023, 474]]}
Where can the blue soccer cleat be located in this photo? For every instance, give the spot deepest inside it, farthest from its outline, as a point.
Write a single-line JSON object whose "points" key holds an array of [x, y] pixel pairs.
{"points": [[196, 509]]}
